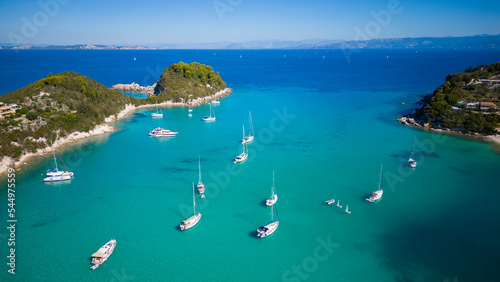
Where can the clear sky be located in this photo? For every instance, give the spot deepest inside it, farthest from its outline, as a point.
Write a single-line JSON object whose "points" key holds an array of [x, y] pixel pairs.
{"points": [[201, 21]]}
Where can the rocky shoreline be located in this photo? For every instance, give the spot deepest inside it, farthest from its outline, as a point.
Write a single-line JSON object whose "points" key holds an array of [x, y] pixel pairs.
{"points": [[409, 121], [149, 90], [7, 162]]}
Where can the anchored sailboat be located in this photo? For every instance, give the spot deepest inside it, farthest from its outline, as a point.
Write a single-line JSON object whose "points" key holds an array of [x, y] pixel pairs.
{"points": [[193, 220], [158, 113], [54, 174], [411, 161], [210, 118], [243, 156], [274, 197], [347, 209], [200, 186], [377, 194], [250, 137], [269, 229]]}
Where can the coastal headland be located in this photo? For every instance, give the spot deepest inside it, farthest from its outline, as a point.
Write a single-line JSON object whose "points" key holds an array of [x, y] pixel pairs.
{"points": [[466, 104], [66, 107]]}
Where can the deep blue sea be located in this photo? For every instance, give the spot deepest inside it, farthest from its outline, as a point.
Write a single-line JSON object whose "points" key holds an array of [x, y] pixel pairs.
{"points": [[324, 123]]}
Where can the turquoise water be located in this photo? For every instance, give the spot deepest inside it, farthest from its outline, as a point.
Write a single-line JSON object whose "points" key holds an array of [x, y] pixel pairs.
{"points": [[323, 125]]}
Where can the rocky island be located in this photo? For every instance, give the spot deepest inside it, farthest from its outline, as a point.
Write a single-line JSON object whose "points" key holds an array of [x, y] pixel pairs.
{"points": [[69, 106], [467, 103]]}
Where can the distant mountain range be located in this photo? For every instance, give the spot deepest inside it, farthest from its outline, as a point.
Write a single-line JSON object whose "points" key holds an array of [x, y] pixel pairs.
{"points": [[78, 46], [466, 42]]}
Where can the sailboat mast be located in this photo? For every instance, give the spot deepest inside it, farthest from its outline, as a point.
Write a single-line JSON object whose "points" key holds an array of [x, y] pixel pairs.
{"points": [[251, 124], [194, 204], [272, 188], [199, 169], [380, 180], [54, 153]]}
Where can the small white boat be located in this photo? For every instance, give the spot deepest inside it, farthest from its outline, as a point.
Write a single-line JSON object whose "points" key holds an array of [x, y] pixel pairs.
{"points": [[210, 118], [160, 132], [190, 110], [250, 137], [103, 254], [338, 204], [274, 197], [243, 156], [375, 196], [329, 202], [215, 102], [411, 161], [190, 115], [347, 209], [193, 220], [54, 174], [269, 228], [200, 186], [158, 113]]}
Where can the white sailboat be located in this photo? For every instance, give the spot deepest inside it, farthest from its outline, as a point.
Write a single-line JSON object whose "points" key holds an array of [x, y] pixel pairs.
{"points": [[250, 137], [338, 204], [411, 161], [200, 186], [193, 220], [269, 228], [215, 102], [375, 196], [158, 113], [210, 118], [54, 174], [243, 156], [274, 197], [347, 209]]}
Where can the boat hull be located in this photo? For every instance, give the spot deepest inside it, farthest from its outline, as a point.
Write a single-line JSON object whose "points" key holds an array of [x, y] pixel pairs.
{"points": [[271, 201], [103, 254], [190, 222], [375, 196], [201, 188], [58, 176], [265, 231], [241, 158], [247, 140]]}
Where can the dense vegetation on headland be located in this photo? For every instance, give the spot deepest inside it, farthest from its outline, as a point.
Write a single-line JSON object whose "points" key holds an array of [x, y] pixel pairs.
{"points": [[182, 82], [53, 107], [448, 106], [60, 104]]}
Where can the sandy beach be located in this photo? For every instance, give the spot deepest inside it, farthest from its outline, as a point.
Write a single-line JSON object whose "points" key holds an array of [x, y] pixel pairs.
{"points": [[7, 162]]}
